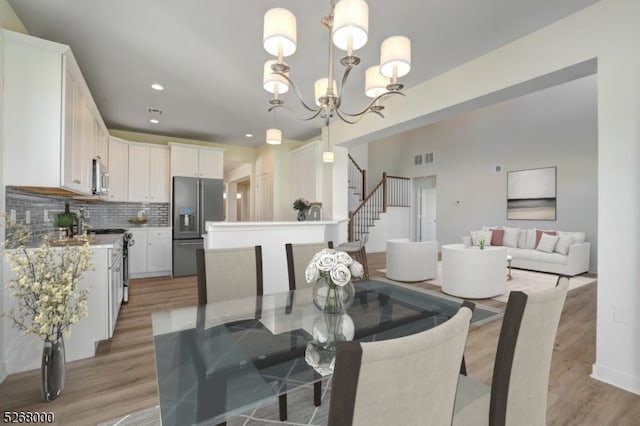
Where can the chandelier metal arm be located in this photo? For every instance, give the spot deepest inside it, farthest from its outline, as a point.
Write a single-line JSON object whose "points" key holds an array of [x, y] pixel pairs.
{"points": [[295, 88], [348, 120], [315, 114], [369, 107]]}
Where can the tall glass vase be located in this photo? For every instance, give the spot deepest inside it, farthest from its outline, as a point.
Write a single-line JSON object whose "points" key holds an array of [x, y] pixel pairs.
{"points": [[301, 215], [52, 368], [332, 298], [327, 330]]}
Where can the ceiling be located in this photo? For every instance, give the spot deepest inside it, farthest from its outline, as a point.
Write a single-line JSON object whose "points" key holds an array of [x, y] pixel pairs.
{"points": [[208, 55]]}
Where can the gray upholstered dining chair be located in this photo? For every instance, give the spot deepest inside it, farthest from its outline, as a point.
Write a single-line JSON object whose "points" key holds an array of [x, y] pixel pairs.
{"points": [[357, 251], [225, 274], [408, 380], [518, 391], [298, 257]]}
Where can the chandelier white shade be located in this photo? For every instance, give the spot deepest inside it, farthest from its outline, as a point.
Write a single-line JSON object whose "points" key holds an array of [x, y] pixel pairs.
{"points": [[375, 84], [279, 36], [320, 90], [350, 24], [327, 157], [274, 83], [395, 57], [274, 136]]}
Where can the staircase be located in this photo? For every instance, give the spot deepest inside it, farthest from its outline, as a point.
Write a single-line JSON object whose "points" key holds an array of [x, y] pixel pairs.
{"points": [[390, 191]]}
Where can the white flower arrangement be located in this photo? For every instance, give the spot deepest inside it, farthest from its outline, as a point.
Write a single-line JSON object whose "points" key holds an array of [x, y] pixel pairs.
{"points": [[337, 265], [45, 283]]}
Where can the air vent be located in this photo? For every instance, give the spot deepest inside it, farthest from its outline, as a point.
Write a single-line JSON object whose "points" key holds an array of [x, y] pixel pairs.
{"points": [[428, 157], [155, 111]]}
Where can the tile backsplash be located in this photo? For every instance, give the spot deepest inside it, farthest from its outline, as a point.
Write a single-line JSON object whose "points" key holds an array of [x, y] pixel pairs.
{"points": [[101, 215]]}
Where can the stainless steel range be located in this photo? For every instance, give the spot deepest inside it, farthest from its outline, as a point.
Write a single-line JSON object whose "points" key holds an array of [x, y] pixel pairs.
{"points": [[128, 241]]}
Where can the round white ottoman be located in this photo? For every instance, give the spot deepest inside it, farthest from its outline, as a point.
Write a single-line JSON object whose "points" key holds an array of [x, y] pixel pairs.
{"points": [[412, 260], [474, 273]]}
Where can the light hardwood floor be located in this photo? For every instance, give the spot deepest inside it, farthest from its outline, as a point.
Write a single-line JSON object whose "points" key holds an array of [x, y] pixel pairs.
{"points": [[121, 378]]}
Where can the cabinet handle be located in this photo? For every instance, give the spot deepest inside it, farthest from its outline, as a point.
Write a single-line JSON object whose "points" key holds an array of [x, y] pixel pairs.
{"points": [[76, 181]]}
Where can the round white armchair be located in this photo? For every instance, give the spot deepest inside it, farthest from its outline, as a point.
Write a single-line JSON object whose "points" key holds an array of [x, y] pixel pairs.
{"points": [[412, 260]]}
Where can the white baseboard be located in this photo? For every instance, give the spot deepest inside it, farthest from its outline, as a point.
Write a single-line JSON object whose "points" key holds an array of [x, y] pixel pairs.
{"points": [[616, 378]]}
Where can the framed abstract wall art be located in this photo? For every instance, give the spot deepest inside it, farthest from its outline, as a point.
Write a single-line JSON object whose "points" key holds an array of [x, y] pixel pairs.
{"points": [[531, 194]]}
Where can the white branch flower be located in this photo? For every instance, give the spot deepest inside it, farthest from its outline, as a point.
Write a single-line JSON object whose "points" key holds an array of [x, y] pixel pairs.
{"points": [[45, 283]]}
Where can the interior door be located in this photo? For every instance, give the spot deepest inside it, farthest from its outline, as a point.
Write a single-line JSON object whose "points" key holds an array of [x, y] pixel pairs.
{"points": [[427, 214], [263, 198]]}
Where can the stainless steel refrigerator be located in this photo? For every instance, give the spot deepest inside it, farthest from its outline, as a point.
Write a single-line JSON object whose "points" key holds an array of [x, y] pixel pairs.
{"points": [[195, 201]]}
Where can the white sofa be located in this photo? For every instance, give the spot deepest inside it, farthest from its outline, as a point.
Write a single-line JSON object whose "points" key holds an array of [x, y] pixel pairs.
{"points": [[411, 261], [565, 253]]}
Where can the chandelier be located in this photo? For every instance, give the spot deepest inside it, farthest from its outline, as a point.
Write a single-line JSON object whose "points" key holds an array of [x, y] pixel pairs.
{"points": [[348, 25]]}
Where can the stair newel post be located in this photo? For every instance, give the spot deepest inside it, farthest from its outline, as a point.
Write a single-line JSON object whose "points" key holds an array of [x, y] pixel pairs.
{"points": [[384, 192], [364, 183]]}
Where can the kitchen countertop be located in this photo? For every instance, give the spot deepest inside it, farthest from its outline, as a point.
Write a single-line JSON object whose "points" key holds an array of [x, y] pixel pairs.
{"points": [[95, 241]]}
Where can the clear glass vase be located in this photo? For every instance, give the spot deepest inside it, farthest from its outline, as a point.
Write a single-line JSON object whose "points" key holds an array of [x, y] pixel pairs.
{"points": [[328, 329], [332, 298], [53, 368]]}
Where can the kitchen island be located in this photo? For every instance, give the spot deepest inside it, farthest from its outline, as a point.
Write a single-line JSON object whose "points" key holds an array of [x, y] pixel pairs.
{"points": [[273, 236]]}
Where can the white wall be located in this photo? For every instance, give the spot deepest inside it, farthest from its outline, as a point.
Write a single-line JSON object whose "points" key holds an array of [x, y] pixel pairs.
{"points": [[553, 127], [604, 34], [395, 223], [3, 306]]}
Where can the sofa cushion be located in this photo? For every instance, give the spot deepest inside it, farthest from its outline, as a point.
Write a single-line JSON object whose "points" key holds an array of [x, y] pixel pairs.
{"points": [[497, 237], [510, 238], [530, 241], [547, 243], [537, 256], [564, 242], [578, 237], [539, 233]]}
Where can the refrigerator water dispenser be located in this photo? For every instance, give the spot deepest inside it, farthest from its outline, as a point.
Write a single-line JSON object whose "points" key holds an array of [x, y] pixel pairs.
{"points": [[187, 222]]}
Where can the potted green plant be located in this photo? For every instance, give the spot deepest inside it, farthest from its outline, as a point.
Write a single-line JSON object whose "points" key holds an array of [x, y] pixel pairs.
{"points": [[63, 222], [301, 206]]}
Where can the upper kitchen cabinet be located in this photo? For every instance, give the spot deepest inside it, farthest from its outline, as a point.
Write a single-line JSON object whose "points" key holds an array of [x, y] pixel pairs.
{"points": [[195, 161], [118, 170], [51, 122], [149, 179]]}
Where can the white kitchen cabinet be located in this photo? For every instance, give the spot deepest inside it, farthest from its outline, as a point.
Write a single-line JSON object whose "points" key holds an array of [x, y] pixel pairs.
{"points": [[118, 170], [148, 173], [195, 161], [150, 256], [159, 251], [49, 118]]}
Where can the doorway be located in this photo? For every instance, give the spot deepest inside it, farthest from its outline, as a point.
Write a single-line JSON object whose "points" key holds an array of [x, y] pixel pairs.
{"points": [[425, 214]]}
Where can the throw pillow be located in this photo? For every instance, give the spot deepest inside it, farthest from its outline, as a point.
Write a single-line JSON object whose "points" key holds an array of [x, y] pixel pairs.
{"points": [[531, 242], [547, 242], [510, 238], [539, 233], [497, 237], [522, 239], [564, 242]]}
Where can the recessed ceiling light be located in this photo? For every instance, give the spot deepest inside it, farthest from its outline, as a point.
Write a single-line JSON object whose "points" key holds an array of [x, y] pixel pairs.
{"points": [[154, 121], [249, 135], [157, 86]]}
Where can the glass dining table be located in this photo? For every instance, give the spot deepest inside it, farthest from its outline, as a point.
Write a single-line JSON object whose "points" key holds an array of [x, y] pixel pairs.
{"points": [[226, 358]]}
